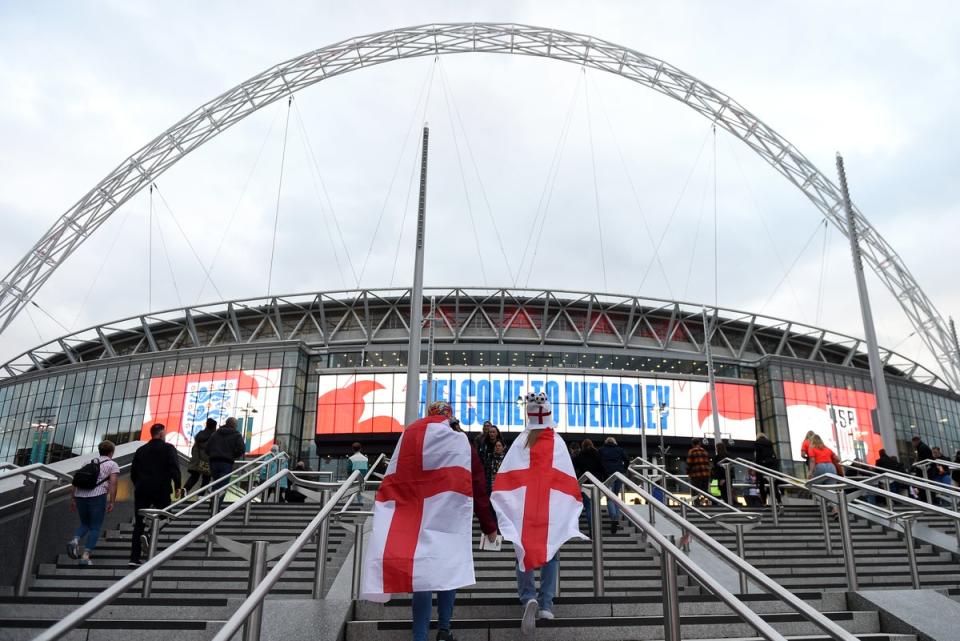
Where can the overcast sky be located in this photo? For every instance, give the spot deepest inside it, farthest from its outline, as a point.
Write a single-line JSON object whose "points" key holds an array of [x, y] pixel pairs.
{"points": [[85, 84]]}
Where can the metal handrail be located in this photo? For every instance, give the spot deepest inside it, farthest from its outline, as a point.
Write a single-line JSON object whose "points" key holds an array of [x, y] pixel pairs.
{"points": [[672, 555], [254, 601], [107, 596], [920, 482], [693, 489], [31, 471], [947, 463]]}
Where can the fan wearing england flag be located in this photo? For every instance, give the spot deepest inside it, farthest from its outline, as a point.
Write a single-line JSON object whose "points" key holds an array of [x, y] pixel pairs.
{"points": [[421, 540], [538, 503]]}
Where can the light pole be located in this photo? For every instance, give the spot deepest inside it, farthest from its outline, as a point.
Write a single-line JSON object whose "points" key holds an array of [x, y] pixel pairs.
{"points": [[247, 425]]}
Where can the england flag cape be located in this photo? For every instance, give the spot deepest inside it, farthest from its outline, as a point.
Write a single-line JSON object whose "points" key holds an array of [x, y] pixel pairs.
{"points": [[537, 498], [422, 515]]}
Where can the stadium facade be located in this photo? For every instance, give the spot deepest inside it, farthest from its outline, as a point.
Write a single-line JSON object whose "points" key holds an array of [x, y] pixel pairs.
{"points": [[314, 372]]}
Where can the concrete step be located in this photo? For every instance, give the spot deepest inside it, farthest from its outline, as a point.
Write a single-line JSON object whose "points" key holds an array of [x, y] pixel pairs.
{"points": [[615, 628], [131, 608], [16, 629]]}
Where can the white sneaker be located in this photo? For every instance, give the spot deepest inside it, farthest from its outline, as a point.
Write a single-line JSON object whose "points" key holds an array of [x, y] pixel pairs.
{"points": [[528, 624], [545, 614]]}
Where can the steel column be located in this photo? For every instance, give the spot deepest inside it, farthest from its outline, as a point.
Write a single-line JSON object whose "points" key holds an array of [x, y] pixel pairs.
{"points": [[151, 552], [742, 553], [357, 559], [825, 523], [671, 597], [258, 569], [320, 560], [911, 551], [40, 486], [849, 560], [416, 296], [596, 525]]}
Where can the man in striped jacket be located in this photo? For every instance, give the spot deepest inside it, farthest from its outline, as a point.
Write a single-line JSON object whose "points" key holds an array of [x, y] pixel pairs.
{"points": [[698, 467]]}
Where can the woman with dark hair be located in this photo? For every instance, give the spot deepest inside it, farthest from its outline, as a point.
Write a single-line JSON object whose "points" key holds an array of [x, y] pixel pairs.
{"points": [[487, 451]]}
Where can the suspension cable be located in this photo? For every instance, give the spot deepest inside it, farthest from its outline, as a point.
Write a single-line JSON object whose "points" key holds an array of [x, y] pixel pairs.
{"points": [[186, 238], [318, 179], [476, 171], [166, 253], [793, 264], [630, 182], [103, 264], [546, 194], [766, 228], [596, 183], [696, 239], [716, 226], [49, 315], [396, 169], [236, 208], [276, 214], [36, 327], [150, 253], [676, 207], [823, 271], [463, 178]]}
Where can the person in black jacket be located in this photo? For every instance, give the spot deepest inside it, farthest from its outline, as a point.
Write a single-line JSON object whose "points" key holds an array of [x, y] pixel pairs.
{"points": [[224, 447], [155, 473], [922, 453], [765, 456], [614, 459], [588, 460], [199, 465]]}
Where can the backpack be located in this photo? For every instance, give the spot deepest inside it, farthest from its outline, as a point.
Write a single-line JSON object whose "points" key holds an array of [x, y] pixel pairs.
{"points": [[86, 477]]}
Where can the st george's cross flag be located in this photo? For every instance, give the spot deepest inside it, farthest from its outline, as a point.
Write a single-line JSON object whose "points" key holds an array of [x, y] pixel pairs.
{"points": [[536, 494], [422, 515]]}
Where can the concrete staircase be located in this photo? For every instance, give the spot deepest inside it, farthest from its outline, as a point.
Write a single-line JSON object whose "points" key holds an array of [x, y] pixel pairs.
{"points": [[631, 609], [192, 594], [794, 553]]}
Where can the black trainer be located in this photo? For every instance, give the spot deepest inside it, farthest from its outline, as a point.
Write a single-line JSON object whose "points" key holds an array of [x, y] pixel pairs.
{"points": [[445, 635]]}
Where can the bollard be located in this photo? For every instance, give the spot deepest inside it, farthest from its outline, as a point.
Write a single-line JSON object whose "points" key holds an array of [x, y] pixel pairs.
{"points": [[151, 552], [320, 561], [357, 558], [596, 525], [825, 522], [849, 561], [258, 569], [36, 517], [671, 601], [911, 552], [742, 553]]}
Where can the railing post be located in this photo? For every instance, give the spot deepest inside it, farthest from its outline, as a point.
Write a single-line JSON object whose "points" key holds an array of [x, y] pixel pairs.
{"points": [[742, 553], [357, 558], [246, 508], [886, 486], [911, 552], [214, 508], [151, 552], [774, 506], [671, 597], [825, 522], [849, 560], [596, 524], [320, 562], [258, 569], [729, 478], [40, 486], [684, 534], [956, 521]]}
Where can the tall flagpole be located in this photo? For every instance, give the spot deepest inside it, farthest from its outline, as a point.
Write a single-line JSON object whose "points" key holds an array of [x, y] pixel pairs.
{"points": [[884, 414], [411, 409]]}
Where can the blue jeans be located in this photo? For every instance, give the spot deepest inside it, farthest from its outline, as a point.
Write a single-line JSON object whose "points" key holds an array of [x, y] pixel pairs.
{"points": [[613, 510], [423, 608], [527, 587], [92, 510], [220, 471]]}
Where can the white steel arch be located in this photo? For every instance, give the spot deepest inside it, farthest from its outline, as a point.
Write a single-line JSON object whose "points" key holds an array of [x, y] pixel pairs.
{"points": [[146, 164]]}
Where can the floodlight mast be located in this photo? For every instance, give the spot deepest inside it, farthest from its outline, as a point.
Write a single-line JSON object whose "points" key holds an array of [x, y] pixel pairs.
{"points": [[416, 295], [884, 415]]}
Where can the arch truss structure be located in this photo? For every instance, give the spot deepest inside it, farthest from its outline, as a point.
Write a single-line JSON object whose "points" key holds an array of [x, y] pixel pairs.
{"points": [[207, 121]]}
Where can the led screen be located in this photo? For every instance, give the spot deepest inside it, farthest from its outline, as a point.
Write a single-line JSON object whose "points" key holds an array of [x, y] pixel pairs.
{"points": [[843, 418], [614, 405], [183, 403]]}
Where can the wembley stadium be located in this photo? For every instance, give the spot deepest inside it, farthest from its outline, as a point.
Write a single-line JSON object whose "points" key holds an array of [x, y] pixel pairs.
{"points": [[315, 372]]}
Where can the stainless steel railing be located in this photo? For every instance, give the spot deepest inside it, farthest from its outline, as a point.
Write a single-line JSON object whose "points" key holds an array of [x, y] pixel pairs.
{"points": [[47, 482], [672, 557], [258, 553]]}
